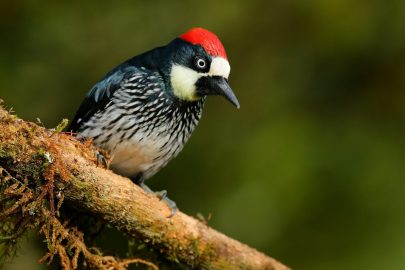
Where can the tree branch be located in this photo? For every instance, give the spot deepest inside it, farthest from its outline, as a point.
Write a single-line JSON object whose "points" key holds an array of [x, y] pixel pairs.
{"points": [[119, 202]]}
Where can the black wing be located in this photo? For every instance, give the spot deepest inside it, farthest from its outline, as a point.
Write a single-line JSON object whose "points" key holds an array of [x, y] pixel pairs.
{"points": [[99, 96]]}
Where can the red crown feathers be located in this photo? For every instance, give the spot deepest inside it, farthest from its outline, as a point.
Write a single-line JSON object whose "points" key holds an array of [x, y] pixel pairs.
{"points": [[208, 40]]}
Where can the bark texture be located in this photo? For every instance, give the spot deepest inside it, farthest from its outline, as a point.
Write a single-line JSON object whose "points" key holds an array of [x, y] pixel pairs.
{"points": [[117, 201]]}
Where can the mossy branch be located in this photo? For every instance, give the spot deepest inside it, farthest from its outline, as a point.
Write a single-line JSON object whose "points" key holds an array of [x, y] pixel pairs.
{"points": [[38, 165]]}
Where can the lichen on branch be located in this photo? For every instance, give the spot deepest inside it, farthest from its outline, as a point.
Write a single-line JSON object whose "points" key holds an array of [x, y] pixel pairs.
{"points": [[30, 199], [44, 170]]}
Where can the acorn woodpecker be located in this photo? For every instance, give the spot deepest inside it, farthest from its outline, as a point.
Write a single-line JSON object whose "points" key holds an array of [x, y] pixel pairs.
{"points": [[144, 110]]}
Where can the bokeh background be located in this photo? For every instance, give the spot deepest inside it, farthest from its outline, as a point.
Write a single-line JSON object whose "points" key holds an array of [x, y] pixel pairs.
{"points": [[310, 170]]}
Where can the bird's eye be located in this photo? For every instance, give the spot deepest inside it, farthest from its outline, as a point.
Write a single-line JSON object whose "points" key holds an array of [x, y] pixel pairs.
{"points": [[200, 63]]}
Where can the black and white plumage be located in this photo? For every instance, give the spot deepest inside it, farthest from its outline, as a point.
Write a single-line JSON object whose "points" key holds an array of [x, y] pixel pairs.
{"points": [[144, 110], [141, 126]]}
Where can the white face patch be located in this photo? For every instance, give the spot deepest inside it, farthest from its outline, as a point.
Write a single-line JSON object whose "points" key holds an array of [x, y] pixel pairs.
{"points": [[183, 79], [183, 82]]}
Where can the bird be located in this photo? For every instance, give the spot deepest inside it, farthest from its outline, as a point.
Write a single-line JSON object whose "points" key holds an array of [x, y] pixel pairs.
{"points": [[144, 110]]}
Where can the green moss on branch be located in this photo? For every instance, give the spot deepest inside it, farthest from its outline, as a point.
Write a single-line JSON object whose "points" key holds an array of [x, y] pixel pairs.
{"points": [[42, 168]]}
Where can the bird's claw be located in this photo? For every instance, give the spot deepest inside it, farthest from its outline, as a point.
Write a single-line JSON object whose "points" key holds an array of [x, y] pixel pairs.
{"points": [[162, 195], [100, 159], [172, 205]]}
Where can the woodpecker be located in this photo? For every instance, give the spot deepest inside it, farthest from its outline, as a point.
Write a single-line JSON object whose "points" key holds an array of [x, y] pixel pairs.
{"points": [[144, 110]]}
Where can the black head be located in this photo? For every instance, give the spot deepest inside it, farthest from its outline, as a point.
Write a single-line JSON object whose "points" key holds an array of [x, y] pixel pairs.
{"points": [[199, 67]]}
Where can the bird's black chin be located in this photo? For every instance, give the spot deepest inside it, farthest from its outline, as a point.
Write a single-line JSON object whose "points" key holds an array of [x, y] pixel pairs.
{"points": [[216, 85]]}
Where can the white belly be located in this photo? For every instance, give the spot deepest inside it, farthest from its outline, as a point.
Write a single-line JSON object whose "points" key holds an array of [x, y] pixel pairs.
{"points": [[128, 159]]}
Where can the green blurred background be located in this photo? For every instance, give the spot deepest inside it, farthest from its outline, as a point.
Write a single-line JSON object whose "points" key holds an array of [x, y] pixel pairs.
{"points": [[310, 170]]}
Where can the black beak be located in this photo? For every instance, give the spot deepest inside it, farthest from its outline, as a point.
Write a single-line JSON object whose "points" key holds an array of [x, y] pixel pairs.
{"points": [[216, 85]]}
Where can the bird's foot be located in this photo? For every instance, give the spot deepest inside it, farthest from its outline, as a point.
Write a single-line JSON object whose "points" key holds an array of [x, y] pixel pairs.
{"points": [[172, 204], [101, 159], [162, 195]]}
